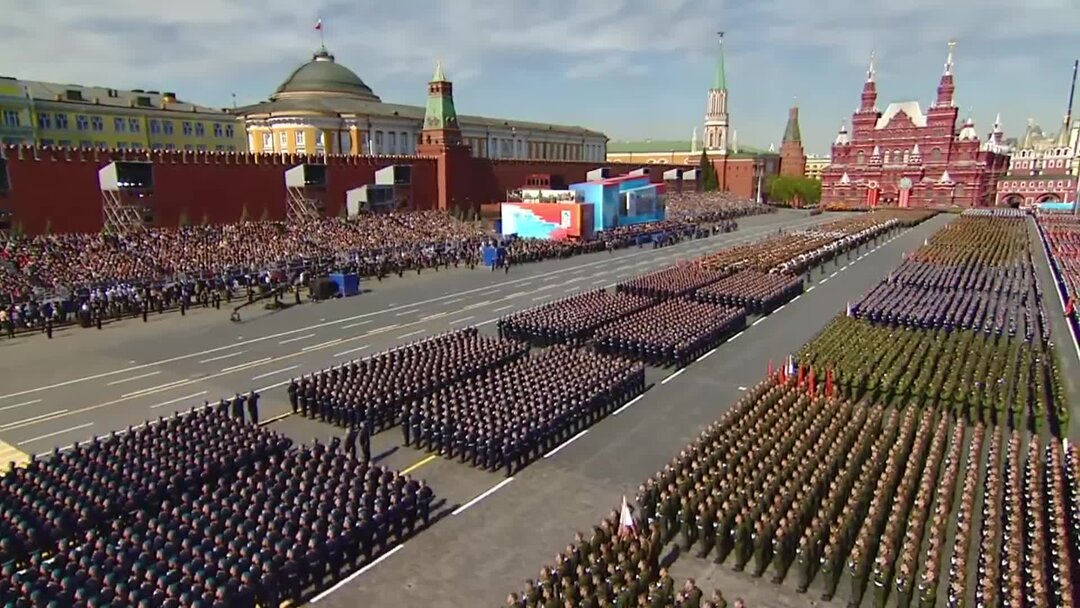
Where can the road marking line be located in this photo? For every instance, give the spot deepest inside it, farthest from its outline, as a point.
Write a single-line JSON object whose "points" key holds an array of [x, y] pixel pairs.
{"points": [[780, 308], [543, 297], [379, 330], [758, 321], [55, 433], [831, 276], [573, 289], [220, 357], [178, 399], [842, 269], [275, 418], [413, 467], [672, 376], [434, 316], [404, 313], [526, 283], [461, 320], [825, 280], [160, 387], [342, 353], [454, 301], [243, 365], [282, 370], [502, 308], [320, 345], [297, 338], [706, 355], [738, 237], [628, 404], [566, 443], [272, 387], [489, 321], [133, 378], [411, 333], [742, 388], [351, 577], [475, 305], [811, 288], [736, 336], [358, 324], [11, 407], [516, 294], [4, 427], [489, 492], [796, 298]]}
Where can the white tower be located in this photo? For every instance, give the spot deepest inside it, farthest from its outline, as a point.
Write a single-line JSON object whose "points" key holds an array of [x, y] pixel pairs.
{"points": [[716, 113]]}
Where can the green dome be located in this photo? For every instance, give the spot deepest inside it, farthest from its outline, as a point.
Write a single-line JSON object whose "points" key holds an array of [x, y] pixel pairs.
{"points": [[323, 75]]}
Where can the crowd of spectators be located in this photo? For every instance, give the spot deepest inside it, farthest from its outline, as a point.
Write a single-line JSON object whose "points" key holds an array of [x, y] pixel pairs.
{"points": [[373, 391], [570, 320], [1062, 234], [757, 292], [196, 510], [706, 207], [672, 333], [514, 414]]}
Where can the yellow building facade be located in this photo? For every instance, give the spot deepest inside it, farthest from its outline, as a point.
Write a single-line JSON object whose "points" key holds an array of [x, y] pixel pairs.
{"points": [[323, 107], [75, 116], [815, 165]]}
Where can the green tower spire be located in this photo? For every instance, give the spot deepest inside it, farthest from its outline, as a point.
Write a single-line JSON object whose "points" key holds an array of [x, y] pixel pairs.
{"points": [[792, 132], [720, 80], [439, 112]]}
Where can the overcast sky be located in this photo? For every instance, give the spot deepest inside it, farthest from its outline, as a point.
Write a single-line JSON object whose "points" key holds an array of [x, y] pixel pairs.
{"points": [[631, 68]]}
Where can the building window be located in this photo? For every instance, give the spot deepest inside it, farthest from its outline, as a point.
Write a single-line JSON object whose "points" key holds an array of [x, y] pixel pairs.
{"points": [[378, 142], [82, 123], [167, 127], [200, 130], [187, 129], [301, 139], [267, 141], [218, 132], [11, 118], [86, 144], [118, 124], [156, 147], [48, 143], [170, 147], [860, 158], [100, 145], [155, 126], [121, 145], [406, 145], [393, 142], [232, 148], [65, 143], [188, 148], [134, 126], [935, 155], [44, 120], [97, 123], [219, 148], [201, 147], [283, 138], [229, 132], [61, 121]]}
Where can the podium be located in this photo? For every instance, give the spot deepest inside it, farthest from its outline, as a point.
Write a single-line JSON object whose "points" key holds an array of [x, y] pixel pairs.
{"points": [[348, 283]]}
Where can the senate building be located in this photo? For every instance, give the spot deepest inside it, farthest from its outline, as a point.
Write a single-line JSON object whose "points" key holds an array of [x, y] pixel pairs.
{"points": [[324, 107]]}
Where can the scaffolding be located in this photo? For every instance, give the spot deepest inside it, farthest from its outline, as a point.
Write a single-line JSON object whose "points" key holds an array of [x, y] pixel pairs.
{"points": [[125, 190], [305, 185]]}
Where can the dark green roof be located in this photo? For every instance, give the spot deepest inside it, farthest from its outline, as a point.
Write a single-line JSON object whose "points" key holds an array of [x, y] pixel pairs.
{"points": [[323, 75], [792, 132]]}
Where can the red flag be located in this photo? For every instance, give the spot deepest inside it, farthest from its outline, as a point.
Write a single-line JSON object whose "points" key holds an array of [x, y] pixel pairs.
{"points": [[828, 382], [783, 375], [812, 386], [770, 368], [1070, 306], [318, 25], [802, 376]]}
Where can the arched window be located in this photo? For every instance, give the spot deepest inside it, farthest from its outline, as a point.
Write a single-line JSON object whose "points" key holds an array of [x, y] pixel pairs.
{"points": [[885, 159], [907, 156], [959, 190], [860, 157], [935, 155]]}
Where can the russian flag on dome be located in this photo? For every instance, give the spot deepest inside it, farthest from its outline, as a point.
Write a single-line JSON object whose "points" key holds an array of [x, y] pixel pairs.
{"points": [[318, 25]]}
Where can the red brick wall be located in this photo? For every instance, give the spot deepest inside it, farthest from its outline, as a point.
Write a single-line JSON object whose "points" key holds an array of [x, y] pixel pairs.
{"points": [[58, 190]]}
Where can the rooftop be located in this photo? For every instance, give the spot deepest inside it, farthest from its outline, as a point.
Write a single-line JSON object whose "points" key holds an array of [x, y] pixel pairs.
{"points": [[108, 97]]}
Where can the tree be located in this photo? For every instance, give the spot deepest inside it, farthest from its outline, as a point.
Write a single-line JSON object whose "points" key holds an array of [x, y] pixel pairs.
{"points": [[792, 190], [710, 181], [265, 217]]}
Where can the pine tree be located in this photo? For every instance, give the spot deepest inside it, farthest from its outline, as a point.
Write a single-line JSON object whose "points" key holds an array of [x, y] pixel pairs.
{"points": [[710, 181]]}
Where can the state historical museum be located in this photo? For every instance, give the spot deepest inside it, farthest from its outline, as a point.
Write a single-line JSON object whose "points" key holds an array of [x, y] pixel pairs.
{"points": [[905, 157]]}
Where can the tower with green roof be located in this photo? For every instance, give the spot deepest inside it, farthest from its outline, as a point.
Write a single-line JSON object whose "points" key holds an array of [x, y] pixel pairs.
{"points": [[441, 126], [441, 139], [716, 111]]}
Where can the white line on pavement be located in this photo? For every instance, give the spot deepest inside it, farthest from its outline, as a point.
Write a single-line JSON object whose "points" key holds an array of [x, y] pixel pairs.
{"points": [[781, 307], [357, 324], [359, 572], [742, 388], [154, 389], [11, 407], [475, 305], [502, 308], [297, 338], [280, 371], [411, 333], [758, 321], [177, 400], [566, 443], [811, 288], [672, 376], [411, 311], [320, 345], [352, 350], [823, 281], [736, 336], [55, 433], [434, 316], [133, 378], [461, 320], [454, 301], [706, 355], [220, 357], [243, 365], [379, 330], [628, 404], [4, 427], [486, 493]]}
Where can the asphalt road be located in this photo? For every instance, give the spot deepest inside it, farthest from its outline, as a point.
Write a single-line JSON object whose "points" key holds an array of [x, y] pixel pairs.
{"points": [[494, 533]]}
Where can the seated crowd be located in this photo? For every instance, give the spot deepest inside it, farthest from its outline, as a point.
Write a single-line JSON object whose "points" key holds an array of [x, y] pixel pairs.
{"points": [[373, 391], [674, 332], [1062, 233], [755, 291], [514, 414], [707, 207], [570, 320]]}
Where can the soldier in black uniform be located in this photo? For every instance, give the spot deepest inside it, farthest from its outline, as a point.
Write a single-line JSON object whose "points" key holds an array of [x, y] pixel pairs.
{"points": [[365, 439], [253, 407], [293, 397], [238, 407]]}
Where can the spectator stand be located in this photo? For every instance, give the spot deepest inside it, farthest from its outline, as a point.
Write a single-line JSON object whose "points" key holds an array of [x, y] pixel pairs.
{"points": [[1059, 235]]}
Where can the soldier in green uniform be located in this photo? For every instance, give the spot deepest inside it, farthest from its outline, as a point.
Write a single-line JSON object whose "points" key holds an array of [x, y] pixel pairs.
{"points": [[687, 524], [707, 524], [830, 571], [881, 586], [743, 544], [802, 564]]}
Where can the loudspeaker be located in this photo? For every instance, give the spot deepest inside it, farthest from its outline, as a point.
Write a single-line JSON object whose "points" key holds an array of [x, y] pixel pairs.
{"points": [[323, 289]]}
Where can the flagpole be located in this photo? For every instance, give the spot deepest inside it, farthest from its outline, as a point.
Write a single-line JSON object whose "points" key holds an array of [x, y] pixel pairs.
{"points": [[322, 33]]}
